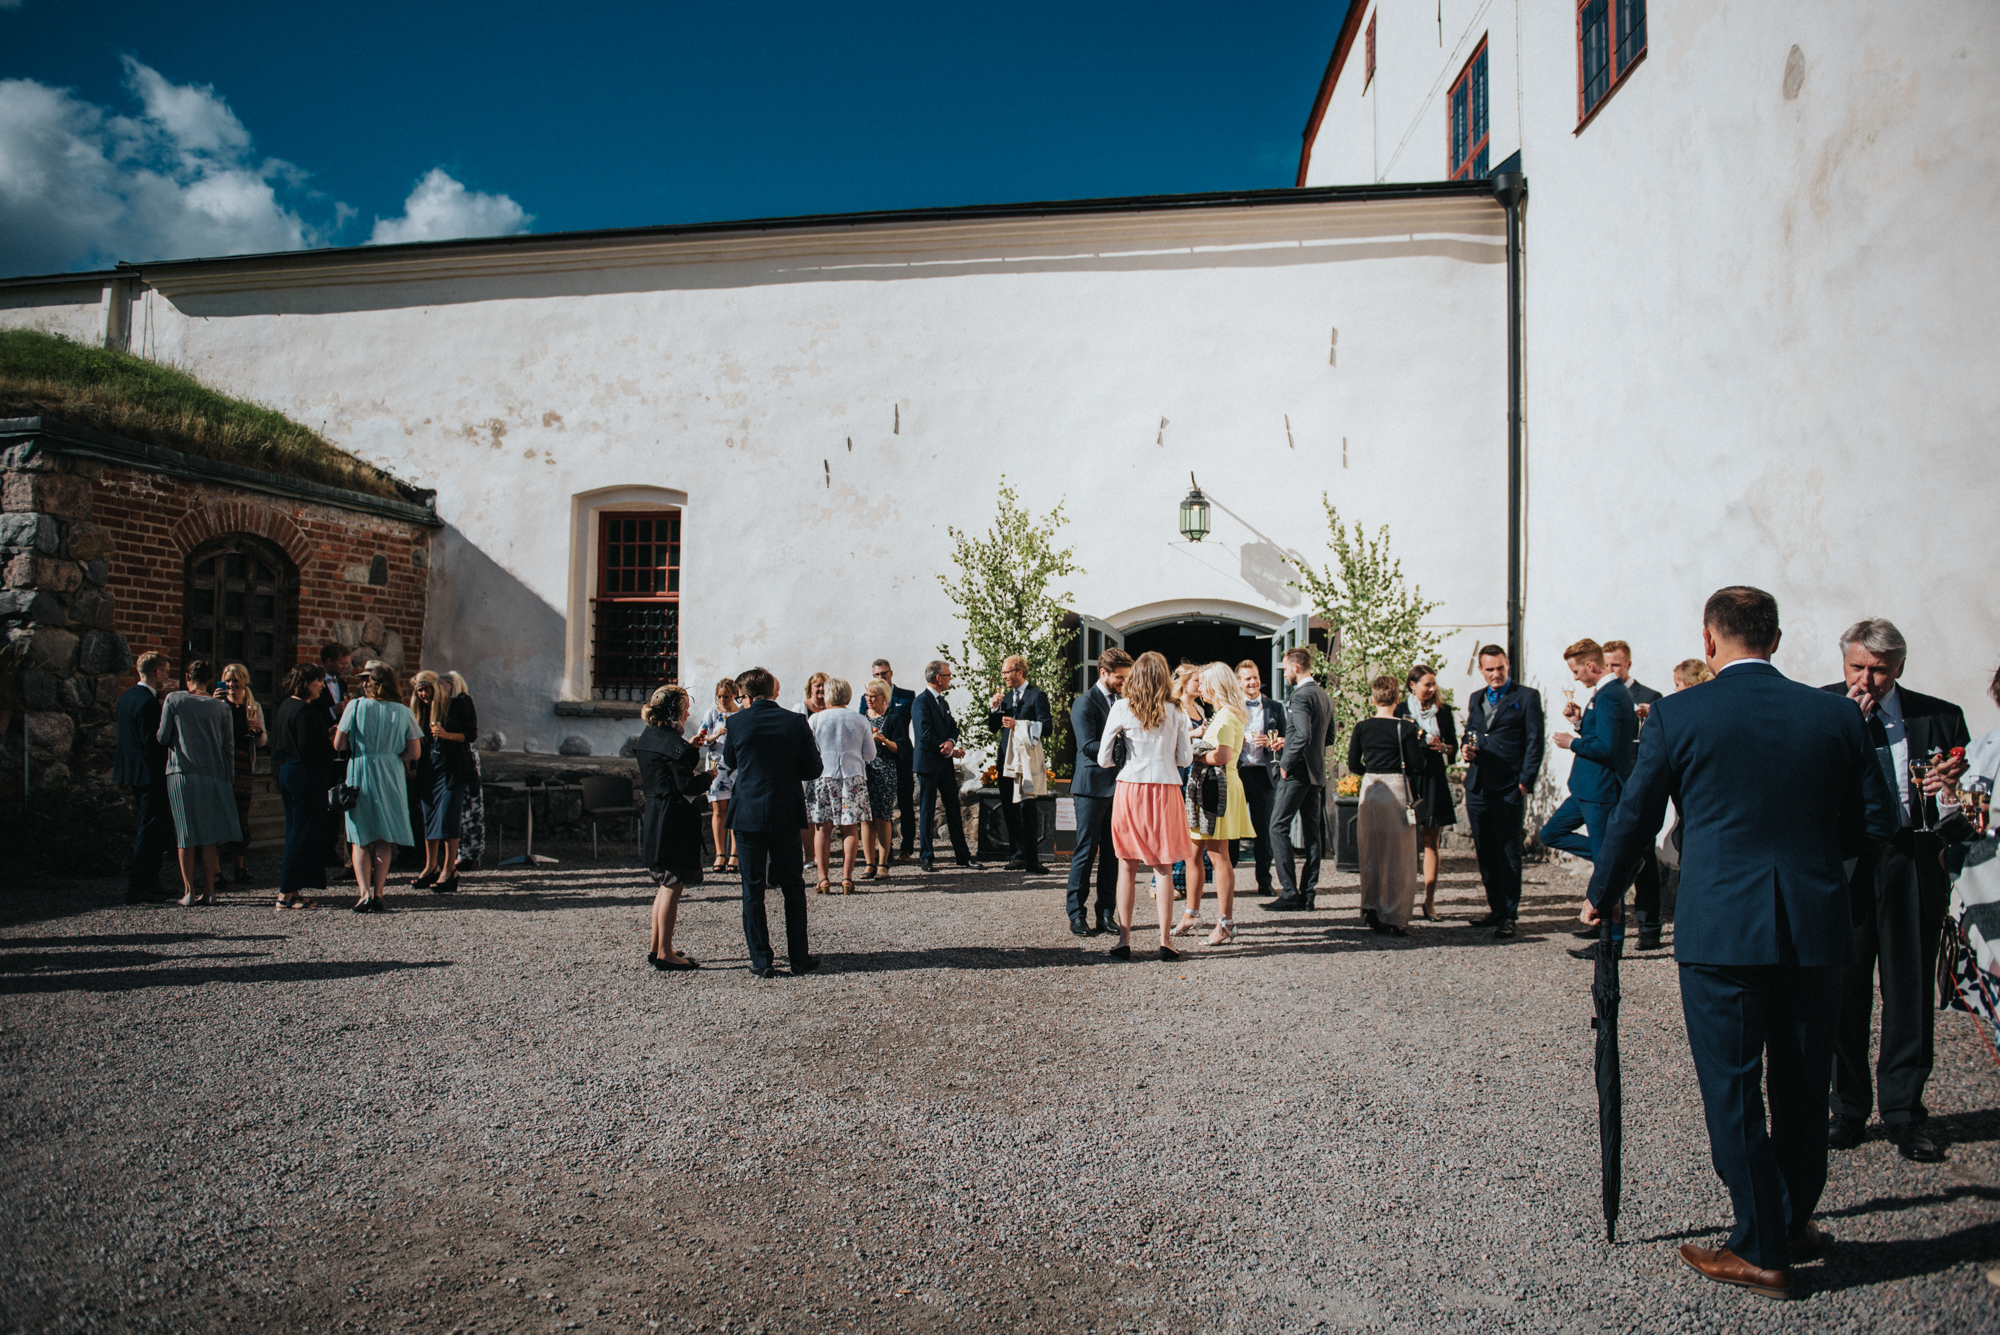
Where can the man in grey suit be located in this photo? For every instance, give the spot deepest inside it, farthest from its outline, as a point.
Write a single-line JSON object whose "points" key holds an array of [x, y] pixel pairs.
{"points": [[1301, 787]]}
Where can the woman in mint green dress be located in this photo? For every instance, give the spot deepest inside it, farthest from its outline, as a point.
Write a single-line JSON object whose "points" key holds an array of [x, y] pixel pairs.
{"points": [[377, 734]]}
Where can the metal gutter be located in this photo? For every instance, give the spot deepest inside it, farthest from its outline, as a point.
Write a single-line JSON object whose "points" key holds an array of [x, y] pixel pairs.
{"points": [[51, 279], [1511, 189], [81, 442]]}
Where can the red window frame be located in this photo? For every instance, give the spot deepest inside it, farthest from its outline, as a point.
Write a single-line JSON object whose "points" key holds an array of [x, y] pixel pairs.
{"points": [[1368, 75], [1620, 58], [1461, 169], [635, 610]]}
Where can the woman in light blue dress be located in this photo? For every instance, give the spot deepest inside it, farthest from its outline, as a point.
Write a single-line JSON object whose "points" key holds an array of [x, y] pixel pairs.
{"points": [[378, 734]]}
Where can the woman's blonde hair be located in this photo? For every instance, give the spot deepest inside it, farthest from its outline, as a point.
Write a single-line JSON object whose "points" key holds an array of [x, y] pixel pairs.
{"points": [[1146, 690], [812, 681], [1224, 691], [441, 693], [236, 674], [458, 686], [667, 707], [839, 695], [730, 685], [876, 689], [1692, 672]]}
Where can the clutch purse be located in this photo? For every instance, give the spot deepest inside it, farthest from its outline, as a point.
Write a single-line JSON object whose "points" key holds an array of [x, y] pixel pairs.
{"points": [[342, 797]]}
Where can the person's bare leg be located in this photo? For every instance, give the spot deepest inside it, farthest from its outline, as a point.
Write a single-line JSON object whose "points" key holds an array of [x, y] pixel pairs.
{"points": [[850, 844], [190, 858], [1128, 895], [358, 853], [1225, 888], [718, 820], [822, 850], [211, 866], [448, 859], [379, 856], [1164, 896], [1431, 840], [666, 909], [1195, 881]]}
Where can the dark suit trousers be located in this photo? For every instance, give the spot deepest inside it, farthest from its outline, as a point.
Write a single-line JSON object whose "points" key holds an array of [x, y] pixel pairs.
{"points": [[1739, 1019], [1496, 837], [304, 790], [906, 800], [1024, 825], [1257, 796], [1093, 845], [151, 841], [932, 788], [1898, 916], [772, 860], [1292, 797]]}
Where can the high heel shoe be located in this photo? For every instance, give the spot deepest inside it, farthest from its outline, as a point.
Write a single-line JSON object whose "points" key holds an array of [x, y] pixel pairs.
{"points": [[1225, 932], [822, 887], [847, 887], [1189, 924], [427, 880], [446, 887], [1169, 954]]}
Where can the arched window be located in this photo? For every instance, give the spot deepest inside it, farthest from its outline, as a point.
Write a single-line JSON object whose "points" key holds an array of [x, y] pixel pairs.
{"points": [[242, 606]]}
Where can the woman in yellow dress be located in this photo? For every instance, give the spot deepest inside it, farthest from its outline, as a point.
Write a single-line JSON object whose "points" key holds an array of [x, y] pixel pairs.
{"points": [[1213, 831]]}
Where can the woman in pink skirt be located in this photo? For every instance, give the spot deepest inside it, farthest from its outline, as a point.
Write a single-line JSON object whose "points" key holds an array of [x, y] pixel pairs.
{"points": [[1148, 819]]}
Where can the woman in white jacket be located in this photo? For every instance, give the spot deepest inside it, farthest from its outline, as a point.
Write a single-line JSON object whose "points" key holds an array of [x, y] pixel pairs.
{"points": [[1148, 818], [838, 798]]}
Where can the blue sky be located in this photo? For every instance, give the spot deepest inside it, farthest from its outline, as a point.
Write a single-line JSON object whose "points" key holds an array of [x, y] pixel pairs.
{"points": [[229, 127]]}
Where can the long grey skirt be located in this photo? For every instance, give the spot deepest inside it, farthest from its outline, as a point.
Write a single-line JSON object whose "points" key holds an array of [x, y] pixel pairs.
{"points": [[1388, 847], [204, 810]]}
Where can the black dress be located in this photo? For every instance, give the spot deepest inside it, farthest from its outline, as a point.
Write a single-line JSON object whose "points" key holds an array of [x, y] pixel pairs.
{"points": [[445, 773], [1431, 787], [670, 828]]}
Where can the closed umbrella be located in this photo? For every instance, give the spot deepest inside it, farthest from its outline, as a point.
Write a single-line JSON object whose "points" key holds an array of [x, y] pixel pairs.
{"points": [[1610, 1083]]}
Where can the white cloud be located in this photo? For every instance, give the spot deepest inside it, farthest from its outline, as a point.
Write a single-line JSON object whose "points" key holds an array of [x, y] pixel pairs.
{"points": [[440, 209]]}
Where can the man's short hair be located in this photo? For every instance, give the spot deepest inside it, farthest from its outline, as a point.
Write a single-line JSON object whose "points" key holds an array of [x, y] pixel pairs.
{"points": [[881, 662], [333, 653], [1493, 651], [149, 663], [1014, 661], [1618, 646], [758, 683], [1113, 659], [1743, 616], [1879, 636], [1385, 689], [1587, 649], [933, 669], [1251, 663], [1300, 658]]}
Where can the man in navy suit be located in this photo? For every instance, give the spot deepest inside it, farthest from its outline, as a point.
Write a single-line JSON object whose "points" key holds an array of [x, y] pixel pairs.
{"points": [[934, 737], [1503, 753], [901, 701], [1019, 710], [771, 751], [1646, 889], [1776, 786], [141, 766], [1091, 790], [1265, 717], [1900, 892], [1602, 751]]}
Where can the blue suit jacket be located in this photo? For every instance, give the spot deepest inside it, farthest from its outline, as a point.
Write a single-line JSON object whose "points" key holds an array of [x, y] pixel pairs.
{"points": [[771, 752], [141, 760], [931, 726], [1603, 744], [1510, 738], [1776, 786], [1086, 721], [1032, 705], [895, 723]]}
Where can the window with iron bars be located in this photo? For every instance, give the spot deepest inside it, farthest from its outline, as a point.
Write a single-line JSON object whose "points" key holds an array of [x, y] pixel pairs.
{"points": [[1470, 131], [635, 636], [1605, 56]]}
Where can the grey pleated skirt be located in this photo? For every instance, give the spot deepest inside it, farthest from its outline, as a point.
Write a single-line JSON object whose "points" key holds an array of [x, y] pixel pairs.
{"points": [[204, 810]]}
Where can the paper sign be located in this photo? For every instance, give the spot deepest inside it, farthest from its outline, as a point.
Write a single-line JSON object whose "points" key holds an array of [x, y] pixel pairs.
{"points": [[1066, 813]]}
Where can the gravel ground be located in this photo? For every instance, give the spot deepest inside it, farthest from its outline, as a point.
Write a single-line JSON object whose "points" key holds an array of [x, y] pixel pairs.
{"points": [[487, 1113]]}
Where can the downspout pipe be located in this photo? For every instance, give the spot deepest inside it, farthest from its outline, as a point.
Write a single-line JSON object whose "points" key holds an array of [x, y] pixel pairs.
{"points": [[1511, 189]]}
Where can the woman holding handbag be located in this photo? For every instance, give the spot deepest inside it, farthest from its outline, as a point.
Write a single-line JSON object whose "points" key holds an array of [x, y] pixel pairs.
{"points": [[670, 830], [378, 734], [1216, 809], [1385, 752]]}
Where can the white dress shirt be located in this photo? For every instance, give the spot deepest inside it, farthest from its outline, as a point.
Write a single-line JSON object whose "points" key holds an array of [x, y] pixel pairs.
{"points": [[1151, 755], [1890, 711], [846, 741]]}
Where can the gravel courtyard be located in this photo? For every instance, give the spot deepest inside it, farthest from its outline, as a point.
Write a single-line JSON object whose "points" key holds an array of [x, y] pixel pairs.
{"points": [[486, 1113]]}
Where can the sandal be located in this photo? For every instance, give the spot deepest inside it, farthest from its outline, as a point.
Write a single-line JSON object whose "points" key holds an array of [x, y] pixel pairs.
{"points": [[718, 868], [294, 902], [1225, 932], [1189, 924], [732, 864], [822, 887], [847, 887]]}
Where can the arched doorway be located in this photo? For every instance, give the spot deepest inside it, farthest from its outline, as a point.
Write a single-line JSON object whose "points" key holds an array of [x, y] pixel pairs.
{"points": [[241, 605], [1195, 639]]}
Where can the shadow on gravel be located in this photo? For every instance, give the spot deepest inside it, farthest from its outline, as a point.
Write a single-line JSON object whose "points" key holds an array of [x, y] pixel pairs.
{"points": [[519, 901], [126, 939], [1854, 1264], [32, 961], [964, 957], [138, 980], [1876, 1205]]}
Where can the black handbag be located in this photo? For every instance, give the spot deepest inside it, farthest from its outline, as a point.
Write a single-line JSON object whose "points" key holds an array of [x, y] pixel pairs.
{"points": [[342, 798]]}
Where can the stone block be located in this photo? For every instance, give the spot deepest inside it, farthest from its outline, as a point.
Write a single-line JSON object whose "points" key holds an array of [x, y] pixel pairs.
{"points": [[107, 691], [51, 734], [392, 650], [56, 494], [31, 532], [75, 694], [104, 651], [38, 689], [87, 542], [28, 458], [97, 572], [53, 776], [92, 607], [46, 609], [574, 745], [53, 651], [373, 632], [348, 633], [17, 605], [32, 571]]}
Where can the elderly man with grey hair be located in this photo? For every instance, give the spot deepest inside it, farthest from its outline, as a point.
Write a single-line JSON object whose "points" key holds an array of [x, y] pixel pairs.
{"points": [[1898, 892]]}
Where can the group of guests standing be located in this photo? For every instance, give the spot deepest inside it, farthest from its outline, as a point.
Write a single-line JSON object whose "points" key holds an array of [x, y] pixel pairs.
{"points": [[386, 767]]}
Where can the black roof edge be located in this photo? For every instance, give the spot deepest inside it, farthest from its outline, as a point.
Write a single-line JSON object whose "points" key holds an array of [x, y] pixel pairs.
{"points": [[419, 506], [1287, 195], [80, 276]]}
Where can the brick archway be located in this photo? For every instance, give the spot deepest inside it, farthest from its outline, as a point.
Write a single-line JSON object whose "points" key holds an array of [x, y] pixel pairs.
{"points": [[208, 522]]}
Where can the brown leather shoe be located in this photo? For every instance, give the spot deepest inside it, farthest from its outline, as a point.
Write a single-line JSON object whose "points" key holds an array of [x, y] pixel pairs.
{"points": [[1809, 1243], [1726, 1267]]}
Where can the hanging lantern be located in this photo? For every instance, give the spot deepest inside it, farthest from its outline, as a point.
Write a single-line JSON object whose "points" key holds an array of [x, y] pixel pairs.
{"points": [[1194, 513]]}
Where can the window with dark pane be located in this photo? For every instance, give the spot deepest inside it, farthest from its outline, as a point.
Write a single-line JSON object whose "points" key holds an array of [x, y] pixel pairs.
{"points": [[635, 617], [241, 606], [1610, 39], [1470, 136]]}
